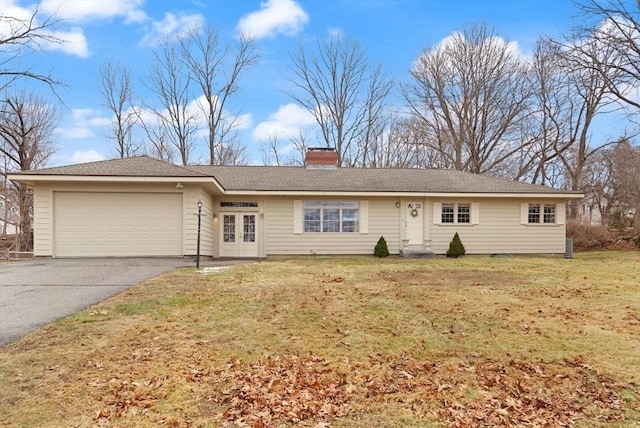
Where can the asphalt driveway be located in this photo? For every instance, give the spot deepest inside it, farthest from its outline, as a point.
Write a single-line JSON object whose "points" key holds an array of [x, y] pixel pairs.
{"points": [[37, 292]]}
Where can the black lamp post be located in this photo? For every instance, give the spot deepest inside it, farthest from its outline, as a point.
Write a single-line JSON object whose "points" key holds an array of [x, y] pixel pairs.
{"points": [[198, 244]]}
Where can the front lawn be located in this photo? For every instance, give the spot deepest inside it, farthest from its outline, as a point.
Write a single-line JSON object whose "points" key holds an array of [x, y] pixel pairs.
{"points": [[345, 342]]}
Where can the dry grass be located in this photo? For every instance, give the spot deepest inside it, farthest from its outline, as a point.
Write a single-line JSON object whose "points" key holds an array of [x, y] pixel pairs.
{"points": [[345, 342]]}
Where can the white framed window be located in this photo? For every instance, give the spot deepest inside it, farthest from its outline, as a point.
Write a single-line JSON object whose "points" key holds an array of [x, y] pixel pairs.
{"points": [[456, 213], [533, 215], [549, 213], [331, 216], [542, 213], [464, 213], [317, 216], [448, 213]]}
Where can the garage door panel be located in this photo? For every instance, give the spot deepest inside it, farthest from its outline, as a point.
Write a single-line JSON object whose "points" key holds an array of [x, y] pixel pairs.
{"points": [[117, 224]]}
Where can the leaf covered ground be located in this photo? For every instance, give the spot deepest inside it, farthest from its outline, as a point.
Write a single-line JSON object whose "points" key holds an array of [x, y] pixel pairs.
{"points": [[345, 342]]}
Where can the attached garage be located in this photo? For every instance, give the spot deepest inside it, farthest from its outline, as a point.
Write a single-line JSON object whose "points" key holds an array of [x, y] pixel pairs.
{"points": [[103, 224]]}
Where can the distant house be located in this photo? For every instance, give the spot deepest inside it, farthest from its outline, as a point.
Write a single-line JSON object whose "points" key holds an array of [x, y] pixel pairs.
{"points": [[141, 206], [8, 218]]}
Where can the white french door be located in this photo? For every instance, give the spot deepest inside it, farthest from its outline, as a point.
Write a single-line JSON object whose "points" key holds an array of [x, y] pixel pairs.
{"points": [[239, 235]]}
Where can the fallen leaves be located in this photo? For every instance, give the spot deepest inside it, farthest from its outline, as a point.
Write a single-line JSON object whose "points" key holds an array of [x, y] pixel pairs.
{"points": [[122, 396], [292, 389], [285, 388]]}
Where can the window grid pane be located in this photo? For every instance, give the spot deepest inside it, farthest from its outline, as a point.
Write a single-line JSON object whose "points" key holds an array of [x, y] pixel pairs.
{"points": [[447, 213], [229, 228], [549, 215], [534, 213], [331, 220], [249, 226], [312, 220], [350, 221], [464, 213]]}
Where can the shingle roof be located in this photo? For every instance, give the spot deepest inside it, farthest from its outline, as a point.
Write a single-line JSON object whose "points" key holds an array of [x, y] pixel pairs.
{"points": [[137, 166], [272, 178], [276, 178]]}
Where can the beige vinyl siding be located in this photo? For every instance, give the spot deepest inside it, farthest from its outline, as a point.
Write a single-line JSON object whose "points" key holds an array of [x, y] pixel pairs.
{"points": [[42, 221], [499, 230], [193, 194], [280, 239], [207, 231]]}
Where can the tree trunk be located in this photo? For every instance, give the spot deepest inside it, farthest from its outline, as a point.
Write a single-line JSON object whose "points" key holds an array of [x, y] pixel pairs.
{"points": [[24, 222]]}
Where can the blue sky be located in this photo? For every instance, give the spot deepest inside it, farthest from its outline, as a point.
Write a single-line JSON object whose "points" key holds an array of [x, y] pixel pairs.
{"points": [[393, 33]]}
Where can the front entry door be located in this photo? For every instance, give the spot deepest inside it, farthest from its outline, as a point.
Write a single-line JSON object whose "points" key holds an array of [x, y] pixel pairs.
{"points": [[414, 222], [239, 235]]}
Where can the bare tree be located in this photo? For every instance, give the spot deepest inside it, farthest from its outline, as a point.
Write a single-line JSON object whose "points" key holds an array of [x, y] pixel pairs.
{"points": [[625, 160], [617, 27], [27, 125], [376, 118], [612, 181], [169, 81], [19, 36], [472, 94], [270, 150], [232, 153], [300, 147], [156, 132], [397, 145], [216, 70], [117, 94], [587, 96], [344, 93], [553, 101]]}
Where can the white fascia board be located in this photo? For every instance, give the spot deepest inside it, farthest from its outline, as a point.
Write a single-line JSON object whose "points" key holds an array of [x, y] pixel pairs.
{"points": [[406, 194], [105, 178], [110, 179]]}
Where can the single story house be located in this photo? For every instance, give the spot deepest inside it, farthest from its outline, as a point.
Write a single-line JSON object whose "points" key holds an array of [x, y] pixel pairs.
{"points": [[141, 206]]}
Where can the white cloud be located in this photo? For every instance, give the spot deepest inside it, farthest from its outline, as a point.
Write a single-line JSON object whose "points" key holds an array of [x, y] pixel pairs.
{"points": [[287, 122], [198, 107], [87, 10], [83, 122], [171, 26], [335, 33], [244, 121], [87, 156], [73, 42], [275, 16], [457, 38]]}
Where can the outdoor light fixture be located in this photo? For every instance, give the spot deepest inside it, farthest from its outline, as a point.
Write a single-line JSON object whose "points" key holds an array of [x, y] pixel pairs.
{"points": [[198, 244], [179, 185], [397, 204]]}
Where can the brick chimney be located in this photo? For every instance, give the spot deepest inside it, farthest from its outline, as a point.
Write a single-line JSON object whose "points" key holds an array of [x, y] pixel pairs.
{"points": [[321, 158]]}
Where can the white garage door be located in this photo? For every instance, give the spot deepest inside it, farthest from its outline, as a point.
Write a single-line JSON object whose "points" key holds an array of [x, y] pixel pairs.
{"points": [[117, 224]]}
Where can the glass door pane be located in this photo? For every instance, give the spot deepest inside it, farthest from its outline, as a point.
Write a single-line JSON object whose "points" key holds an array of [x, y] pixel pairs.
{"points": [[249, 228], [229, 228]]}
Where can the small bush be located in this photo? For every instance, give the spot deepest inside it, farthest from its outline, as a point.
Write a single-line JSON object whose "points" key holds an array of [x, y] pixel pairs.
{"points": [[456, 248], [381, 249]]}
